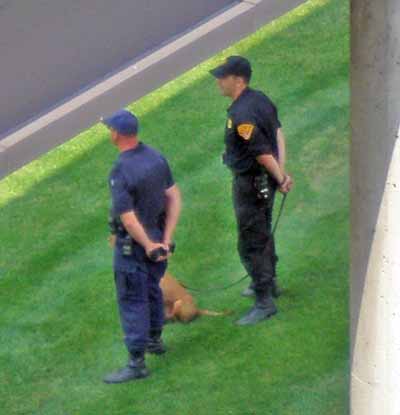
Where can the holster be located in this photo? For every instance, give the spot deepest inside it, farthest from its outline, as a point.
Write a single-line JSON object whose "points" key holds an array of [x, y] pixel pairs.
{"points": [[117, 228], [264, 185]]}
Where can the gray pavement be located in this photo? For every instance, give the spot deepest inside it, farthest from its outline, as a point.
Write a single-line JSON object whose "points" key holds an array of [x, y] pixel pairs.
{"points": [[52, 49], [65, 63]]}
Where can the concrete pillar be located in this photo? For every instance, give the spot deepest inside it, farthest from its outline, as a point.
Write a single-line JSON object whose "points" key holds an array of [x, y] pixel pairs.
{"points": [[375, 207]]}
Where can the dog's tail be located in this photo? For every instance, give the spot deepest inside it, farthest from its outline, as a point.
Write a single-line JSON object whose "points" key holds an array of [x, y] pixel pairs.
{"points": [[214, 313]]}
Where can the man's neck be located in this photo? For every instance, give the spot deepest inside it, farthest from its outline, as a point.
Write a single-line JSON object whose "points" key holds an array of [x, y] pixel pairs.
{"points": [[238, 92], [128, 145]]}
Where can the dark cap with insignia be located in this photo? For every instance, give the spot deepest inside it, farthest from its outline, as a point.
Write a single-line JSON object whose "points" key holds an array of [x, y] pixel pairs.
{"points": [[233, 65]]}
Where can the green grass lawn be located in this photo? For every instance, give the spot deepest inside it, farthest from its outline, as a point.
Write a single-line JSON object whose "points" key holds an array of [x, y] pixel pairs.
{"points": [[59, 328]]}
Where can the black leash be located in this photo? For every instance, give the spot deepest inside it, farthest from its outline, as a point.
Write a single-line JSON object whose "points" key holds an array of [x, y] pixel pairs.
{"points": [[226, 287]]}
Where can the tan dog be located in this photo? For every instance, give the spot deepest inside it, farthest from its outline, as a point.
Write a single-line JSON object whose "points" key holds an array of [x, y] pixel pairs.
{"points": [[178, 303]]}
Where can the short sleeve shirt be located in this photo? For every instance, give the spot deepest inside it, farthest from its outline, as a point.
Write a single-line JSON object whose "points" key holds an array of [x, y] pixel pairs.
{"points": [[137, 182], [251, 130]]}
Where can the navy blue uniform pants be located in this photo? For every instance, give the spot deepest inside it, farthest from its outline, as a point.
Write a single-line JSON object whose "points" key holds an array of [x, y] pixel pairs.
{"points": [[256, 243], [140, 304]]}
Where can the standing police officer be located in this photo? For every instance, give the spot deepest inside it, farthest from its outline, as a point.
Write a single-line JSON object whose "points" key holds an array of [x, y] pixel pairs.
{"points": [[255, 153], [145, 210]]}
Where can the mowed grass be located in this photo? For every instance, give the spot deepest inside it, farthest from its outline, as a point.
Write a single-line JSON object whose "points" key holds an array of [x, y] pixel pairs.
{"points": [[59, 327]]}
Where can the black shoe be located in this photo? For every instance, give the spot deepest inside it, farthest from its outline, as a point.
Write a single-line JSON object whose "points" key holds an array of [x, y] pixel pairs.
{"points": [[136, 369], [263, 309], [155, 344]]}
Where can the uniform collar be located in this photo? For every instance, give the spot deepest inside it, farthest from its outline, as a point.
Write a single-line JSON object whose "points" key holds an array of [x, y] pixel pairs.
{"points": [[239, 98], [133, 150]]}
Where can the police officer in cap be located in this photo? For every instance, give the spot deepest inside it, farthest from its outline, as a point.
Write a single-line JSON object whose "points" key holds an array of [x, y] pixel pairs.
{"points": [[255, 153], [145, 210]]}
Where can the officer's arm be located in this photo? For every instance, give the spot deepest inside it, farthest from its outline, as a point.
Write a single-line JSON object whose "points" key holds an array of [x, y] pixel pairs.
{"points": [[272, 166], [123, 206], [281, 149], [136, 230], [173, 210]]}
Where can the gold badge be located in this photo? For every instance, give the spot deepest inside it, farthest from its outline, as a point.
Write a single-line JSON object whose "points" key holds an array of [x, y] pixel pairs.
{"points": [[230, 123], [245, 131]]}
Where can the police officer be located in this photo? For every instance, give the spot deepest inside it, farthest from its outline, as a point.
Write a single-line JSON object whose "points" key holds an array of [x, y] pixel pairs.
{"points": [[255, 153], [144, 213]]}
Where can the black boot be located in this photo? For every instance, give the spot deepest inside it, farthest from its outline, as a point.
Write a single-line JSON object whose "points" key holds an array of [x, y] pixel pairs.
{"points": [[155, 344], [276, 291], [264, 308], [249, 291], [135, 369]]}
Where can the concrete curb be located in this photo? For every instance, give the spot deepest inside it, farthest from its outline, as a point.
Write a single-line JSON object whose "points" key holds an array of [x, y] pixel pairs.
{"points": [[137, 80]]}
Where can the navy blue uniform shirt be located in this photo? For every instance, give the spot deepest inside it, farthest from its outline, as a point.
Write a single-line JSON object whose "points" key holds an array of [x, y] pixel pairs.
{"points": [[251, 130], [138, 181]]}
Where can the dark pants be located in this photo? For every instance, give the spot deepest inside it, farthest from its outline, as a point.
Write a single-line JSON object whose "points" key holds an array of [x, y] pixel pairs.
{"points": [[256, 244], [140, 304]]}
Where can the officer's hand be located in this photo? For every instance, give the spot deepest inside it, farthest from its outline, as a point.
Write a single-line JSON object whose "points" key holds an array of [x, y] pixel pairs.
{"points": [[112, 240], [156, 245], [287, 185], [290, 183], [168, 243]]}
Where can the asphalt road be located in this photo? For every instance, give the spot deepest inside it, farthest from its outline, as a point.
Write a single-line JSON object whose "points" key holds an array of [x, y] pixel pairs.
{"points": [[52, 49]]}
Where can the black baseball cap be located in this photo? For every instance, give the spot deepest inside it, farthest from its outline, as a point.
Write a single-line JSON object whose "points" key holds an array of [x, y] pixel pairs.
{"points": [[233, 65]]}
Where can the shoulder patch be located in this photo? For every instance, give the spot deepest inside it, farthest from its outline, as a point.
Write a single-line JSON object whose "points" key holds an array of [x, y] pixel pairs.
{"points": [[230, 123], [245, 130]]}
